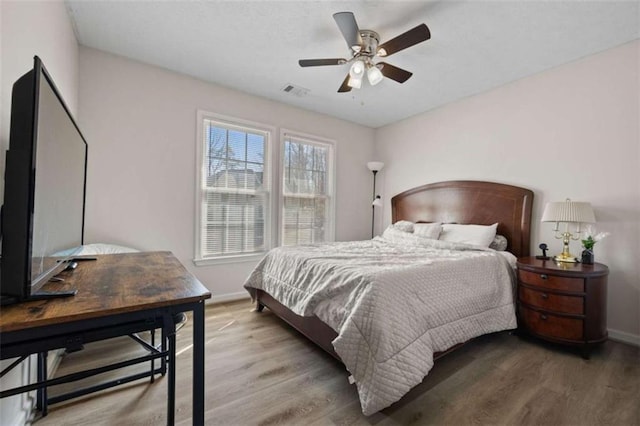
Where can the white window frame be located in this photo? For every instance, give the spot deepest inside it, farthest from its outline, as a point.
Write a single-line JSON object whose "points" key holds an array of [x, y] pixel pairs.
{"points": [[268, 183], [331, 175]]}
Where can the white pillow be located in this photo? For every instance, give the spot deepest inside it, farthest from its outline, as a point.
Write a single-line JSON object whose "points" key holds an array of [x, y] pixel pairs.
{"points": [[499, 243], [479, 235], [404, 226], [428, 230]]}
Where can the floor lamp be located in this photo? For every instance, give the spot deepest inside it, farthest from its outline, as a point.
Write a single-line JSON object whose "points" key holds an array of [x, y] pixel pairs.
{"points": [[375, 167]]}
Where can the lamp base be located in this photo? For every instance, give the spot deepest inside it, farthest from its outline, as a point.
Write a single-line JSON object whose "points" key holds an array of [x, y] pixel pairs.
{"points": [[565, 257]]}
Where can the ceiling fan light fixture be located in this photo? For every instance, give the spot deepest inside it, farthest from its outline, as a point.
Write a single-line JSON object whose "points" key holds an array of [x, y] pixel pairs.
{"points": [[374, 75], [355, 82], [357, 70]]}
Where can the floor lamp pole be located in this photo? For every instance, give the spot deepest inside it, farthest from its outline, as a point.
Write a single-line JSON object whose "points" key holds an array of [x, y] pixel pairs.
{"points": [[373, 207]]}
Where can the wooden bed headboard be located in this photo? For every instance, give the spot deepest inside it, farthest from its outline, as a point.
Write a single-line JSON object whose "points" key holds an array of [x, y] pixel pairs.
{"points": [[471, 202]]}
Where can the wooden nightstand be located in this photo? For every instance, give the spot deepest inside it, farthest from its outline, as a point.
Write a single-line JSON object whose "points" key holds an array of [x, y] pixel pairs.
{"points": [[563, 303]]}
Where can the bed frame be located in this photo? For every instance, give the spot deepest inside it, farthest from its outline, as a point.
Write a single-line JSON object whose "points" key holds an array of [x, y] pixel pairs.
{"points": [[463, 202]]}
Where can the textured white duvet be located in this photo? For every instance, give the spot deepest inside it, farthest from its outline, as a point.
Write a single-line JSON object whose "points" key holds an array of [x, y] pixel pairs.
{"points": [[394, 301]]}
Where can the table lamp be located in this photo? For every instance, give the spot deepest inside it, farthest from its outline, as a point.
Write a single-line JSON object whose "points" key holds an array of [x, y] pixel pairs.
{"points": [[568, 212]]}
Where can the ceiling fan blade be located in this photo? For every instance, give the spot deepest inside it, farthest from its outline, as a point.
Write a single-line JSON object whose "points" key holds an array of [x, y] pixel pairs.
{"points": [[394, 73], [412, 37], [320, 62], [349, 28], [345, 86]]}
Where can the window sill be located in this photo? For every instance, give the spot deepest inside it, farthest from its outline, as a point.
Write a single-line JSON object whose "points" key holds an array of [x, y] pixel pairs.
{"points": [[254, 257]]}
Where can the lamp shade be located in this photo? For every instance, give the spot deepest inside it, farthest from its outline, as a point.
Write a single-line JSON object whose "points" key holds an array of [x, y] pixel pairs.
{"points": [[357, 69], [375, 166], [354, 82], [356, 72], [377, 202], [374, 75], [568, 211]]}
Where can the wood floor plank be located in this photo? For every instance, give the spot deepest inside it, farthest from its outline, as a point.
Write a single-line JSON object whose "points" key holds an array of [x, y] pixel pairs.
{"points": [[261, 372]]}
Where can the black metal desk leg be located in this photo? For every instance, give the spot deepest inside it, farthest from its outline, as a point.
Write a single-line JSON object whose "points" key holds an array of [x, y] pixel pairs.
{"points": [[198, 364], [163, 347], [171, 365], [153, 361], [41, 395]]}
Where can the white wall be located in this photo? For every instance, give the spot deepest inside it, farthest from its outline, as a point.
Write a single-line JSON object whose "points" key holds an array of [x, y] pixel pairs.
{"points": [[140, 124], [43, 29], [28, 29], [572, 132]]}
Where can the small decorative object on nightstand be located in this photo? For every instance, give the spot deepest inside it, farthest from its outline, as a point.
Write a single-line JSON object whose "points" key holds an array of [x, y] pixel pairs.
{"points": [[563, 302], [589, 240], [544, 248]]}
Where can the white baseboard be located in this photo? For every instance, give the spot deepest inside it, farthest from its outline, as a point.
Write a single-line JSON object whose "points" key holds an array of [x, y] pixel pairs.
{"points": [[229, 297], [24, 417], [53, 362], [624, 337], [30, 415]]}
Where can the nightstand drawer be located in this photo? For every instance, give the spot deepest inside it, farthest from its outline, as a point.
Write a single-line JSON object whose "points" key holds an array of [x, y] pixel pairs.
{"points": [[553, 302], [551, 281], [552, 325]]}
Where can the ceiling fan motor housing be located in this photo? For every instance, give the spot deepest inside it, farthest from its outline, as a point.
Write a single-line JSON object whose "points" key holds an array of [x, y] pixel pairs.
{"points": [[370, 40]]}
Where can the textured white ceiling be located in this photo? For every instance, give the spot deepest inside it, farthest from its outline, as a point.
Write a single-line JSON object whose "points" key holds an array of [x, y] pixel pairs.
{"points": [[254, 46]]}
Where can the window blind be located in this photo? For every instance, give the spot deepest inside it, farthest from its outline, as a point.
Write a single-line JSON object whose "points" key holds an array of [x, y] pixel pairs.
{"points": [[307, 191], [235, 190]]}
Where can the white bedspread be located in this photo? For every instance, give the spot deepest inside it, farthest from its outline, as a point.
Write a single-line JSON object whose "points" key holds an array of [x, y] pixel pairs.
{"points": [[394, 301]]}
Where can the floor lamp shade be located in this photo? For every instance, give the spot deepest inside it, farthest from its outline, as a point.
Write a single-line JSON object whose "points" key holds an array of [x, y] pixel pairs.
{"points": [[375, 166]]}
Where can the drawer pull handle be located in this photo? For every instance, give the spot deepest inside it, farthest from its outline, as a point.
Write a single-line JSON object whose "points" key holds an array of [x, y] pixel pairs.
{"points": [[545, 296], [544, 276], [543, 317]]}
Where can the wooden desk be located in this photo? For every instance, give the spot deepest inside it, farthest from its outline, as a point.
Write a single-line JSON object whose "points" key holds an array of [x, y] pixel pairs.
{"points": [[118, 294]]}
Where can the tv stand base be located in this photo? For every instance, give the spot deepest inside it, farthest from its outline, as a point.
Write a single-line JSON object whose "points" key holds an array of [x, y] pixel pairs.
{"points": [[40, 295], [44, 295]]}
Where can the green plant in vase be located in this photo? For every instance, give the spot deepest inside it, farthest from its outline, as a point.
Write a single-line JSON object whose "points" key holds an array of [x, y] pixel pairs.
{"points": [[589, 240]]}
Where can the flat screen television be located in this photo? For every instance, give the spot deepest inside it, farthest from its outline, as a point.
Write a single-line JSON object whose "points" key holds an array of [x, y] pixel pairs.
{"points": [[44, 193]]}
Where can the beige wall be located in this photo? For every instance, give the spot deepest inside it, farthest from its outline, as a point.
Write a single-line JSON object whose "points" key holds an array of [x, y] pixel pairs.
{"points": [[43, 29], [28, 29], [140, 124], [569, 132]]}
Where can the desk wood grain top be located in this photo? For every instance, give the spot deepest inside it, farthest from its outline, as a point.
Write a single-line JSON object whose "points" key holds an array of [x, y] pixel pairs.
{"points": [[112, 284]]}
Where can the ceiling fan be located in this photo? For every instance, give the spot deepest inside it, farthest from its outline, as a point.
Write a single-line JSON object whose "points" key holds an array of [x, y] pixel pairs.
{"points": [[364, 47]]}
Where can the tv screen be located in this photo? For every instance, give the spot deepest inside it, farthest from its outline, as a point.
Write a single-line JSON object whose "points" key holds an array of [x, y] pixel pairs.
{"points": [[43, 211]]}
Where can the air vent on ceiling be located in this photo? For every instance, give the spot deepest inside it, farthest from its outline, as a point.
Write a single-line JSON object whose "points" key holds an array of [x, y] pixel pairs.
{"points": [[295, 90]]}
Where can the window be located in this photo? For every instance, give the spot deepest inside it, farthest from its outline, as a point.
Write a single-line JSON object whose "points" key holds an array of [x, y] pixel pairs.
{"points": [[306, 211], [234, 188], [235, 211]]}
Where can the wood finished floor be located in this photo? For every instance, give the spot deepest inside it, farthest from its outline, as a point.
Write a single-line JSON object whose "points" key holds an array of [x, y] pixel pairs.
{"points": [[261, 372]]}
